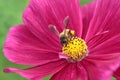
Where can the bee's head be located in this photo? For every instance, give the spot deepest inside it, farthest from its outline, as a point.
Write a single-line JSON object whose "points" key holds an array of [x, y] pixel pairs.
{"points": [[63, 40]]}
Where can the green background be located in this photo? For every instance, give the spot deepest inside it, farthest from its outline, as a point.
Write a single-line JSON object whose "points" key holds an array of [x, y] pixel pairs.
{"points": [[10, 15]]}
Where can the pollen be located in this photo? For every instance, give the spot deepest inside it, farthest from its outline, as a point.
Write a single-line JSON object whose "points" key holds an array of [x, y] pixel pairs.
{"points": [[75, 48]]}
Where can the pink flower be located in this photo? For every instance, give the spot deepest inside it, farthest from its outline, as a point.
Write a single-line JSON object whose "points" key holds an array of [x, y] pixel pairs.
{"points": [[52, 27], [117, 74]]}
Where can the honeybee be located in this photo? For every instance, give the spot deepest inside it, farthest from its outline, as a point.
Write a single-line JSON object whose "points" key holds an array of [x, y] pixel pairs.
{"points": [[66, 34]]}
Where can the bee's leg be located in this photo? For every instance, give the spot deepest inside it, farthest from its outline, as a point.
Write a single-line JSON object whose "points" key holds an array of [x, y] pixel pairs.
{"points": [[69, 34]]}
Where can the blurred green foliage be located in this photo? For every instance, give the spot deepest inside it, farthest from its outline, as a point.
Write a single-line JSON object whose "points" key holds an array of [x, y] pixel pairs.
{"points": [[10, 15]]}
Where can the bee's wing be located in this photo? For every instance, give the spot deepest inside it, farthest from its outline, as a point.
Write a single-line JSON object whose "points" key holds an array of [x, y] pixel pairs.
{"points": [[66, 22], [54, 29]]}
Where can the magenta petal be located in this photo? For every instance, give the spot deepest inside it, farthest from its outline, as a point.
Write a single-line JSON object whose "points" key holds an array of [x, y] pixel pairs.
{"points": [[63, 56], [22, 47], [44, 34], [110, 46], [47, 12], [39, 71], [117, 74], [103, 65], [36, 78], [81, 72], [96, 73], [103, 59], [105, 18], [87, 14], [103, 40], [67, 73]]}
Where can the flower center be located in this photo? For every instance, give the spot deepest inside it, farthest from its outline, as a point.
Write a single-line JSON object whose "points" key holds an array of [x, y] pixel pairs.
{"points": [[75, 48]]}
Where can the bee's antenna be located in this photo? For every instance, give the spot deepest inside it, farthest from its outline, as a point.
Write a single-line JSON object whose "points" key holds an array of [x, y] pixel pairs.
{"points": [[54, 29]]}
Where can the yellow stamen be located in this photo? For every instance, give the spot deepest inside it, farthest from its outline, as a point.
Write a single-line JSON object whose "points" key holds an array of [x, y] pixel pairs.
{"points": [[75, 48]]}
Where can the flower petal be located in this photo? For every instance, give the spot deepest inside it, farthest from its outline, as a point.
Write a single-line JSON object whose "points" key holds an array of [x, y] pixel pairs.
{"points": [[106, 53], [22, 47], [36, 78], [87, 14], [110, 46], [104, 58], [96, 73], [39, 71], [81, 72], [67, 73], [117, 74], [44, 34], [106, 19], [40, 14]]}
